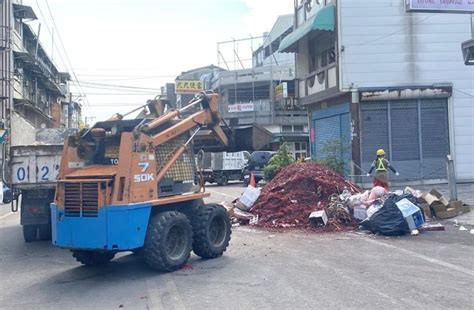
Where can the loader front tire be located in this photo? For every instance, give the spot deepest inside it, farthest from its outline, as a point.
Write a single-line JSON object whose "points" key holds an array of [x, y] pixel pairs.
{"points": [[45, 232], [30, 232], [92, 258], [168, 241], [212, 230]]}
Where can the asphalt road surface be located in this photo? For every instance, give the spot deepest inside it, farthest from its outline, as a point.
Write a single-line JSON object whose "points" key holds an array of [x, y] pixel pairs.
{"points": [[260, 270]]}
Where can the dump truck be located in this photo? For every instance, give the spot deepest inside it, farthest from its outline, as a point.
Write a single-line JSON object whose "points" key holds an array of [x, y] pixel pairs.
{"points": [[222, 167], [149, 200], [34, 169]]}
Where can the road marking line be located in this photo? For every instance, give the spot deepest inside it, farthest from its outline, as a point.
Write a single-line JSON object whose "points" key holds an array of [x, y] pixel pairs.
{"points": [[153, 294], [6, 215], [174, 294], [212, 191], [170, 291], [424, 257]]}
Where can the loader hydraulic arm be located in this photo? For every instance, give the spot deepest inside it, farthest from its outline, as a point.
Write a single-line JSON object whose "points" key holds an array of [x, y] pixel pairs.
{"points": [[206, 118]]}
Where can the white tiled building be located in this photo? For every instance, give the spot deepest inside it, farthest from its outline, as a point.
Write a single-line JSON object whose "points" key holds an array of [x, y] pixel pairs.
{"points": [[374, 75]]}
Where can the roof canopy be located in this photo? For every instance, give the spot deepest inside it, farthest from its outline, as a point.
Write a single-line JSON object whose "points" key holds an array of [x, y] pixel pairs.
{"points": [[23, 11], [323, 20]]}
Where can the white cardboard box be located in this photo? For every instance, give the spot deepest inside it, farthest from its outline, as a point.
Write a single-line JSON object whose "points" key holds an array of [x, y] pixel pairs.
{"points": [[411, 213], [318, 218], [249, 197]]}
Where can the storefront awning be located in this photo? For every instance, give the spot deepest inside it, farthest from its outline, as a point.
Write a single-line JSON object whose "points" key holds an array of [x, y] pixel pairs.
{"points": [[323, 20], [23, 12]]}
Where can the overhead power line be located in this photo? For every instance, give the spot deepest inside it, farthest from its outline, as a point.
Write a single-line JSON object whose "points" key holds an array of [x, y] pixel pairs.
{"points": [[119, 86], [65, 53]]}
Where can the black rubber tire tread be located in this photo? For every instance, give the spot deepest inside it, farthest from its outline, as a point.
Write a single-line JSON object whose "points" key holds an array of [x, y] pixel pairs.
{"points": [[45, 232], [92, 258], [223, 180], [202, 218], [155, 241], [30, 232]]}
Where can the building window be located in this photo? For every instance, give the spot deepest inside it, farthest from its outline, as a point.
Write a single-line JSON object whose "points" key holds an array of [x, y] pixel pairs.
{"points": [[292, 128], [248, 93], [286, 128], [298, 128], [298, 149]]}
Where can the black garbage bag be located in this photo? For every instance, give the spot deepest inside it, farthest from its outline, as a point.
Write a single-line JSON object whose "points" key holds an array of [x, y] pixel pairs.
{"points": [[389, 220]]}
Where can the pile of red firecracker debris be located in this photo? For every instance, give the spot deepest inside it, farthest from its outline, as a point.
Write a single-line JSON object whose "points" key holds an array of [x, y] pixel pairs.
{"points": [[297, 191]]}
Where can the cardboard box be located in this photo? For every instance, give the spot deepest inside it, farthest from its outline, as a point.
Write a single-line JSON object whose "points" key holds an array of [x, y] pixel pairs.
{"points": [[437, 206], [426, 210], [449, 213], [409, 190], [456, 204], [318, 218], [249, 197], [411, 213], [429, 198], [416, 193], [465, 209], [440, 197]]}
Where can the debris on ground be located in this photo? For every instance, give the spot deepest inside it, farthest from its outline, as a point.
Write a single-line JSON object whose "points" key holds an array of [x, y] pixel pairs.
{"points": [[432, 227], [318, 218], [311, 196], [248, 198], [300, 189]]}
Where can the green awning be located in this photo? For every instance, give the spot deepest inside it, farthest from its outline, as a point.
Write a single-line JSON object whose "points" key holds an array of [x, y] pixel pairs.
{"points": [[323, 20]]}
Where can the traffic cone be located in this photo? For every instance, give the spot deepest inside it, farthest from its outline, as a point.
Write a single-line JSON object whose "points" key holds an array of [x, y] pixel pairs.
{"points": [[252, 181]]}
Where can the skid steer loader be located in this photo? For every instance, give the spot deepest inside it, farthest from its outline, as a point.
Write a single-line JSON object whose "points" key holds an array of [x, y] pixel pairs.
{"points": [[132, 185]]}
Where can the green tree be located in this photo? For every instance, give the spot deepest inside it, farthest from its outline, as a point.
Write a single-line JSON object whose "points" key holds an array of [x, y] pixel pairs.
{"points": [[332, 159], [281, 159]]}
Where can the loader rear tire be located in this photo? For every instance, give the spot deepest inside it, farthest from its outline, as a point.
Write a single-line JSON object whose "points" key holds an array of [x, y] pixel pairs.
{"points": [[92, 258], [30, 232], [168, 241], [212, 230]]}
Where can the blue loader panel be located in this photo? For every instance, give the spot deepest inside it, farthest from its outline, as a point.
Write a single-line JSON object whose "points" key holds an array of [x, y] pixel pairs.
{"points": [[116, 228]]}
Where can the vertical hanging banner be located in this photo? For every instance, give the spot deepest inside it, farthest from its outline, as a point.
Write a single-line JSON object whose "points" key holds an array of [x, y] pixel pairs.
{"points": [[440, 6]]}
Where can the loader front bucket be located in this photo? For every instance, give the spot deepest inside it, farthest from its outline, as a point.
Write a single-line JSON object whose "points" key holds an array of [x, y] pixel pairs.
{"points": [[242, 138]]}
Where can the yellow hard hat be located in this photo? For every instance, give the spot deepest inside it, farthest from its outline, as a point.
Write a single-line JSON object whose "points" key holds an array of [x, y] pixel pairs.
{"points": [[380, 152]]}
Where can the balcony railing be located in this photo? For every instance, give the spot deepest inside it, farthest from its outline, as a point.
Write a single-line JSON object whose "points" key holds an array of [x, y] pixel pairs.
{"points": [[318, 81]]}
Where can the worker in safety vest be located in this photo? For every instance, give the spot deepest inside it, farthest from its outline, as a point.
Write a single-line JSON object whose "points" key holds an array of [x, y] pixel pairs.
{"points": [[381, 165]]}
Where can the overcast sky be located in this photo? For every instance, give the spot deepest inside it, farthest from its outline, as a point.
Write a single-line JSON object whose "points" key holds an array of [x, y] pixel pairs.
{"points": [[144, 43]]}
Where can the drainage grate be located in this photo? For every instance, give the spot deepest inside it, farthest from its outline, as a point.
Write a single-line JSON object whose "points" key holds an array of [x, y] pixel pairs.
{"points": [[81, 199]]}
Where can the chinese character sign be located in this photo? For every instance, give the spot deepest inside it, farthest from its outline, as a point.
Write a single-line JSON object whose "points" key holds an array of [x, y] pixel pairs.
{"points": [[189, 86]]}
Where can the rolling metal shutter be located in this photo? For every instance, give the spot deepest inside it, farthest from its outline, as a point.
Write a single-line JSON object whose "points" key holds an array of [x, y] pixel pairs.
{"points": [[332, 124], [414, 133], [325, 129]]}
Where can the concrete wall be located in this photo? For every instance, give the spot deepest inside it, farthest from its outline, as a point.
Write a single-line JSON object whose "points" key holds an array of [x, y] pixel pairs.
{"points": [[384, 46]]}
